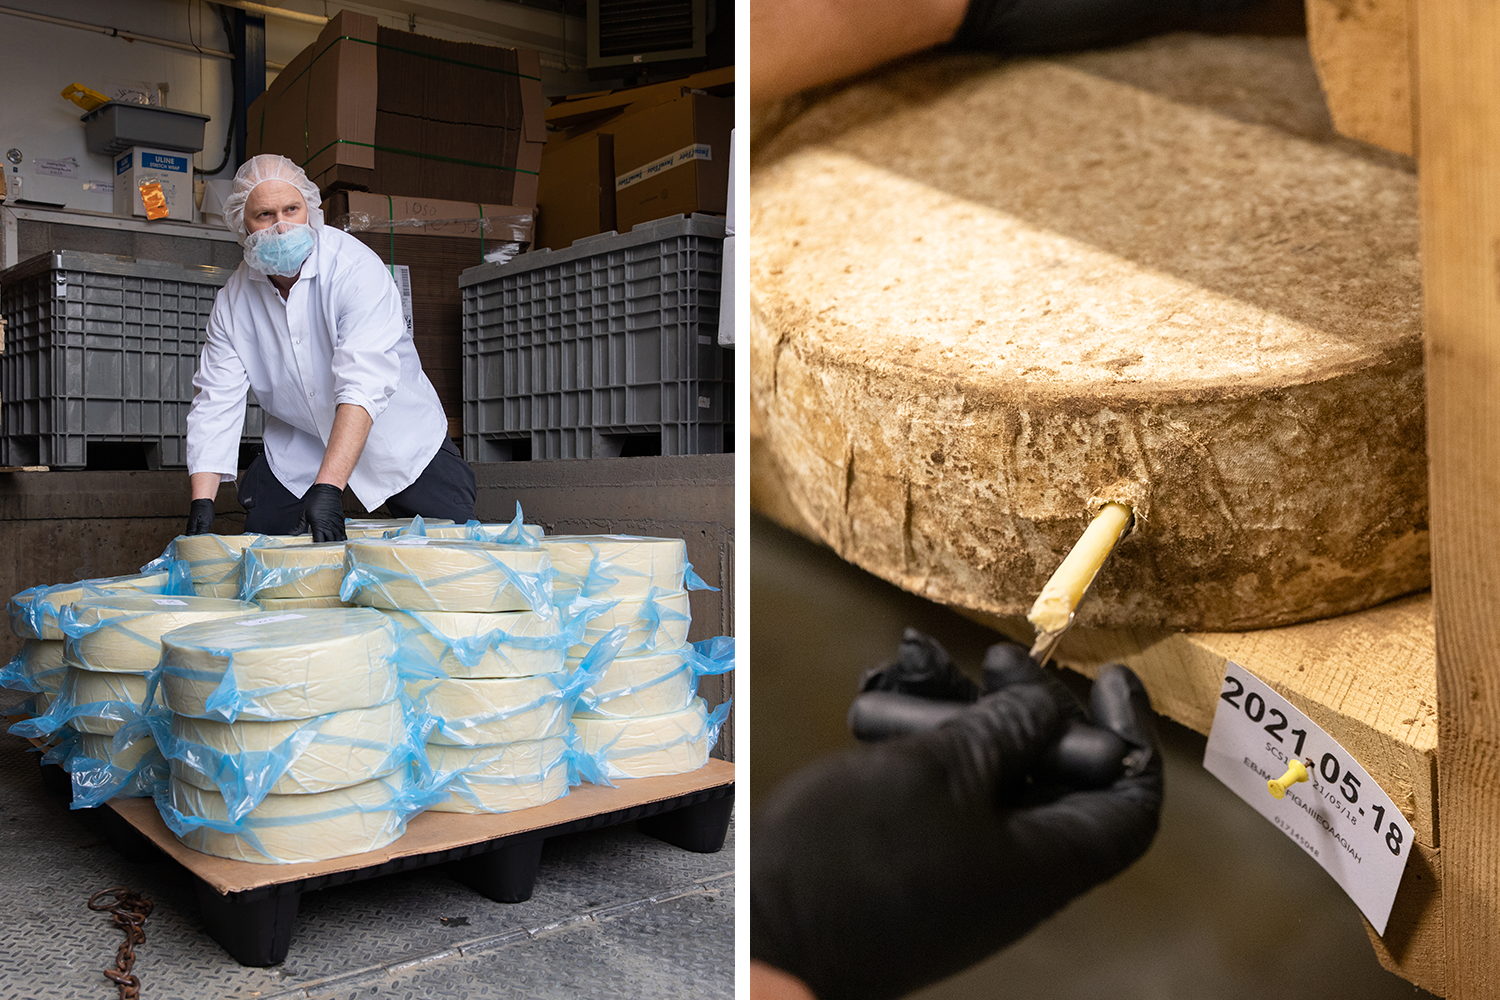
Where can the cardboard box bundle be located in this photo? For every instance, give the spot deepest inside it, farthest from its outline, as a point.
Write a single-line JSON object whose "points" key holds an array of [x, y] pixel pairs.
{"points": [[435, 241], [375, 109], [636, 155]]}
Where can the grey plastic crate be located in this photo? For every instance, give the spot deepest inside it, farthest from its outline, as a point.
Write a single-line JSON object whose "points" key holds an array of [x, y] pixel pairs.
{"points": [[115, 126], [609, 347], [99, 349]]}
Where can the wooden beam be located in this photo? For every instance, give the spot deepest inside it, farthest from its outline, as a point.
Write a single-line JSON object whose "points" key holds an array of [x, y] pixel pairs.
{"points": [[1458, 60], [1362, 54]]}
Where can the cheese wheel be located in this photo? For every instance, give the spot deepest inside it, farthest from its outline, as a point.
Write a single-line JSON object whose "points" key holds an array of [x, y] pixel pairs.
{"points": [[622, 566], [101, 748], [501, 778], [123, 632], [99, 772], [475, 712], [378, 527], [659, 622], [309, 755], [292, 665], [298, 603], [33, 613], [506, 644], [101, 701], [214, 560], [641, 748], [38, 666], [287, 829], [280, 571], [419, 574], [643, 685]]}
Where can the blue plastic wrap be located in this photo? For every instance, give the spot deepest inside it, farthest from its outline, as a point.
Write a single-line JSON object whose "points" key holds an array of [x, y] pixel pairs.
{"points": [[33, 612], [656, 622], [37, 667], [614, 749], [122, 632], [506, 644], [304, 756], [504, 777], [619, 566], [514, 709], [86, 711], [212, 562], [261, 576], [656, 683], [103, 772], [458, 576]]}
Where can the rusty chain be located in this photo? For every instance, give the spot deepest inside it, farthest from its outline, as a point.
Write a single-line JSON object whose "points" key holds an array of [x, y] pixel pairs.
{"points": [[130, 910]]}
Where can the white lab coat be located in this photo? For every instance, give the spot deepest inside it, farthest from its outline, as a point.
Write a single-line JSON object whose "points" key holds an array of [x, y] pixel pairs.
{"points": [[339, 337]]}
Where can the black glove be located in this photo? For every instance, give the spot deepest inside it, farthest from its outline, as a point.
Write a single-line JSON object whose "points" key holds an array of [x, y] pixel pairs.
{"points": [[1031, 27], [886, 868], [323, 513], [200, 518]]}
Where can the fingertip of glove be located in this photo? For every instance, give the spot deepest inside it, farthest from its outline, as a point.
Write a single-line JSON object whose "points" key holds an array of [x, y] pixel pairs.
{"points": [[1007, 663]]}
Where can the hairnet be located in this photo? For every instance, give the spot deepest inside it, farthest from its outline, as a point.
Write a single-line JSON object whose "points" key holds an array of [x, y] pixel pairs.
{"points": [[256, 171]]}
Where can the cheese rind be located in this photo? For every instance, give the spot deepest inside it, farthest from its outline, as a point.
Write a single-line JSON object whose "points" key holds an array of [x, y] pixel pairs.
{"points": [[643, 685], [292, 665], [657, 622], [38, 666], [420, 574], [501, 778], [645, 747], [122, 632], [504, 644], [477, 712], [616, 566], [291, 571], [110, 700], [214, 560], [34, 612]]}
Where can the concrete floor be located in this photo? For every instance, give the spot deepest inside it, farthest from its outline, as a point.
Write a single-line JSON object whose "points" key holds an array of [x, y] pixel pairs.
{"points": [[1223, 905]]}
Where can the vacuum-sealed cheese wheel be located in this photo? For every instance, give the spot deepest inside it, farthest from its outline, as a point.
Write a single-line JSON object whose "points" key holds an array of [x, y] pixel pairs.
{"points": [[286, 829], [290, 665], [646, 684], [501, 778], [214, 560], [101, 748], [299, 603], [122, 632], [622, 566], [475, 712], [414, 573], [292, 757], [38, 666], [101, 701], [658, 744], [101, 771], [290, 571], [34, 612], [378, 527], [503, 644], [657, 622]]}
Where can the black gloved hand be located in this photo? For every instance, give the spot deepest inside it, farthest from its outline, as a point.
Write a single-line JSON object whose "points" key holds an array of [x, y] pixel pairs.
{"points": [[1032, 27], [323, 513], [200, 518], [886, 868]]}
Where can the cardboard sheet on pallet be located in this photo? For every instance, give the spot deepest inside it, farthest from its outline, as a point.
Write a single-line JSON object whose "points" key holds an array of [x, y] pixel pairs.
{"points": [[427, 832]]}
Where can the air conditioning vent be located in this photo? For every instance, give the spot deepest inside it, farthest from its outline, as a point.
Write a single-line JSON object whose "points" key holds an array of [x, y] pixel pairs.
{"points": [[628, 32]]}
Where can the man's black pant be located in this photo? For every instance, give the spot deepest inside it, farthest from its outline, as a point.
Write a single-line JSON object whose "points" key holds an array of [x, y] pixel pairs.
{"points": [[445, 489]]}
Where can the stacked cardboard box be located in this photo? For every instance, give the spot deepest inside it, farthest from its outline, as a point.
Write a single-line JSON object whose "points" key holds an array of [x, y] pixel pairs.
{"points": [[435, 241], [630, 156], [374, 109]]}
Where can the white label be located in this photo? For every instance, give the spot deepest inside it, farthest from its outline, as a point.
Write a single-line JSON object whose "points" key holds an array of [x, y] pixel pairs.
{"points": [[266, 621], [402, 274], [687, 154], [103, 187], [1340, 815], [169, 601], [55, 168]]}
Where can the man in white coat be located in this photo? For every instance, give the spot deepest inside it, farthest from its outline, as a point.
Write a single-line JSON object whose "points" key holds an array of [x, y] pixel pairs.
{"points": [[312, 322]]}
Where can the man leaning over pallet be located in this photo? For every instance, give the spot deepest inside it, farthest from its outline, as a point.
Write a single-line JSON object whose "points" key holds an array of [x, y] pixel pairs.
{"points": [[312, 322]]}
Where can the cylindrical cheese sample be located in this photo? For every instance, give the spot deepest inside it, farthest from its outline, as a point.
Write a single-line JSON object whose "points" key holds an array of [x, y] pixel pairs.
{"points": [[501, 778], [507, 644], [295, 757], [299, 603], [659, 744], [420, 574], [214, 560], [100, 701], [286, 829], [292, 665], [659, 622], [617, 566], [291, 571], [37, 667], [123, 632], [646, 684], [475, 712], [33, 613]]}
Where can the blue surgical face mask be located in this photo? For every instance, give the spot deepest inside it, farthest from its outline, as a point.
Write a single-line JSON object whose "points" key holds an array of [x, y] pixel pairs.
{"points": [[280, 249]]}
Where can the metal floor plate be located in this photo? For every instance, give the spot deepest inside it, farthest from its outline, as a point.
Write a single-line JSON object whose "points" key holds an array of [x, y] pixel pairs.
{"points": [[615, 914]]}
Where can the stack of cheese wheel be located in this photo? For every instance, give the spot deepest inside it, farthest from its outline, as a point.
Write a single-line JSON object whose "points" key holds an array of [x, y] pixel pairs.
{"points": [[113, 643], [483, 614], [38, 667], [281, 577], [643, 716], [287, 740], [213, 561]]}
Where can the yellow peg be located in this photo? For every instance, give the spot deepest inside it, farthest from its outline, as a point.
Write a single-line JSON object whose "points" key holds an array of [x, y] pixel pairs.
{"points": [[1295, 772]]}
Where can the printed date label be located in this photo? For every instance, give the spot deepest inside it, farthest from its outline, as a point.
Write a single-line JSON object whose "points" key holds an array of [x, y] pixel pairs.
{"points": [[1339, 815]]}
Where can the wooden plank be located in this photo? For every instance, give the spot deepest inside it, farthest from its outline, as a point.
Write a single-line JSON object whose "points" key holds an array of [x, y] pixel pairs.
{"points": [[1362, 53], [1458, 69], [1412, 947]]}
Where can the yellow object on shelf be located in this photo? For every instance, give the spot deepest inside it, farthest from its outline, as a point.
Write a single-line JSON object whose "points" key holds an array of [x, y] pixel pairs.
{"points": [[82, 96]]}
